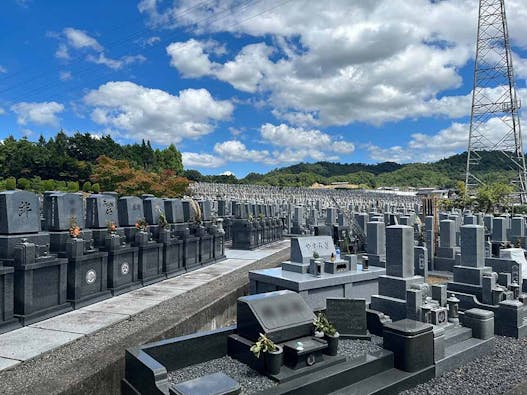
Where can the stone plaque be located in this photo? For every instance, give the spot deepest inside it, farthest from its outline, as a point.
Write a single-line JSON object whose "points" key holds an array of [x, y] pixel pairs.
{"points": [[283, 315], [348, 316], [61, 208], [303, 248], [19, 212], [101, 209], [153, 207], [174, 211], [130, 210]]}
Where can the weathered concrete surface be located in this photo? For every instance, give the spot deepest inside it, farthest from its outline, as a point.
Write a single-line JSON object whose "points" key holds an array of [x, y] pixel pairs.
{"points": [[94, 364]]}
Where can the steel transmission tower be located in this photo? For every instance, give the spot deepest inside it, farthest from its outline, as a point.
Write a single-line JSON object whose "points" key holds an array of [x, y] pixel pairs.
{"points": [[494, 121]]}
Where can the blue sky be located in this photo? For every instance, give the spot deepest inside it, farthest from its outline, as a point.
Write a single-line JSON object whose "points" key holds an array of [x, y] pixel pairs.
{"points": [[249, 85]]}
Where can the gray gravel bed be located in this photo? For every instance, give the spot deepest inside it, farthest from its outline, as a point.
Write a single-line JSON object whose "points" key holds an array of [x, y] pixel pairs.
{"points": [[355, 348], [497, 372], [250, 380]]}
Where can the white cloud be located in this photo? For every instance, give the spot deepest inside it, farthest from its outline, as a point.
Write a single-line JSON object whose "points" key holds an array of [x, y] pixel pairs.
{"points": [[80, 39], [189, 58], [3, 69], [193, 159], [65, 75], [236, 151], [115, 63], [155, 114], [299, 138], [2, 111], [227, 173], [291, 145], [340, 61], [44, 113]]}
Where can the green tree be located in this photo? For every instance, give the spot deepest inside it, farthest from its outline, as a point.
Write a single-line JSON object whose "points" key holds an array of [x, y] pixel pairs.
{"points": [[72, 186], [86, 187], [491, 196], [96, 188], [10, 183], [24, 183]]}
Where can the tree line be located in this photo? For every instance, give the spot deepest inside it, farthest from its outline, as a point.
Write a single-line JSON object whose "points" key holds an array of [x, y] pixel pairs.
{"points": [[78, 162]]}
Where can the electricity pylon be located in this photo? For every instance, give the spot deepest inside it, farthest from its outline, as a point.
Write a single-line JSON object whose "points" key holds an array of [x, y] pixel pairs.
{"points": [[494, 120]]}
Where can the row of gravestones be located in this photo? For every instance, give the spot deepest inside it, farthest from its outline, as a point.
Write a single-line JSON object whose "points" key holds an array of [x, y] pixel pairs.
{"points": [[249, 225], [501, 235], [86, 255]]}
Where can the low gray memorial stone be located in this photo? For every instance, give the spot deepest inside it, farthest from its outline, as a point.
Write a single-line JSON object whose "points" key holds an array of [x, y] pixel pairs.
{"points": [[348, 316], [303, 248]]}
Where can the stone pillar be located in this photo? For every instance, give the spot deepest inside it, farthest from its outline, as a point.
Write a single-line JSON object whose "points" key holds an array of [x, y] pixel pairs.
{"points": [[376, 238], [400, 255], [472, 246], [447, 234]]}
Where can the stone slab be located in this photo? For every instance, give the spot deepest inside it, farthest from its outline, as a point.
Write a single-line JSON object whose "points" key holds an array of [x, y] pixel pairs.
{"points": [[123, 304], [246, 254], [29, 342], [6, 363], [156, 292], [300, 282], [81, 321]]}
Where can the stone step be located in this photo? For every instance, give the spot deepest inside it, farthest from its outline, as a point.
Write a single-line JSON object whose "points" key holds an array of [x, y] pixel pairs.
{"points": [[325, 380], [457, 335], [461, 352], [390, 381]]}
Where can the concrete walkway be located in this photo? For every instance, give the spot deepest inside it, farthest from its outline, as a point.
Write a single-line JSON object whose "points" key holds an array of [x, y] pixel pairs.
{"points": [[34, 340]]}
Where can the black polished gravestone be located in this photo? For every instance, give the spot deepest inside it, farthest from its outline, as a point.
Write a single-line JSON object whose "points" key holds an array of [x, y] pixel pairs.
{"points": [[349, 317], [101, 210], [190, 241], [62, 211], [153, 208], [130, 211], [173, 245], [19, 215], [286, 319], [39, 277]]}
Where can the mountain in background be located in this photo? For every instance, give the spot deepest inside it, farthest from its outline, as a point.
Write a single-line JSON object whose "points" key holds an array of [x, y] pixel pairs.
{"points": [[444, 173]]}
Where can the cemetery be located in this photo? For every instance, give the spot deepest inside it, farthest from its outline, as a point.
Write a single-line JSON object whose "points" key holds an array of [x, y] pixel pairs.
{"points": [[368, 306]]}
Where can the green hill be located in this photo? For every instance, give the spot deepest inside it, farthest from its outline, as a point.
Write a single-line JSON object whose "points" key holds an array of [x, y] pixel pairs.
{"points": [[441, 174]]}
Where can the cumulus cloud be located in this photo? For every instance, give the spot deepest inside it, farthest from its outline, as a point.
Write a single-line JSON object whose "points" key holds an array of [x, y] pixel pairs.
{"points": [[44, 113], [79, 40], [339, 61], [155, 114], [291, 145], [193, 159]]}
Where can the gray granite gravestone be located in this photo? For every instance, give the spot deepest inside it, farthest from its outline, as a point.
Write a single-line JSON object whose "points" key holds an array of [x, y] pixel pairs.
{"points": [[303, 248], [348, 316]]}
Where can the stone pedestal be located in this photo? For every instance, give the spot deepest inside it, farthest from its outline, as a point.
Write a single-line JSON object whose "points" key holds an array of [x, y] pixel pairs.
{"points": [[7, 320], [412, 343], [87, 279], [173, 262], [123, 263], [40, 285], [150, 259]]}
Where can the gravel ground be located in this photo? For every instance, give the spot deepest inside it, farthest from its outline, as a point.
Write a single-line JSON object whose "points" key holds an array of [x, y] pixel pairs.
{"points": [[250, 380], [355, 348], [495, 373]]}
